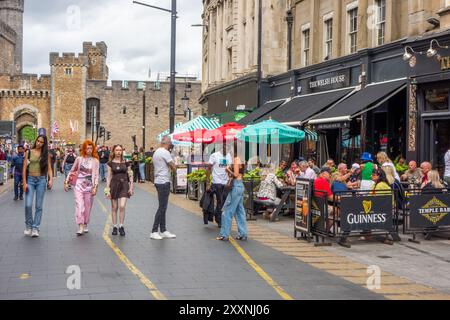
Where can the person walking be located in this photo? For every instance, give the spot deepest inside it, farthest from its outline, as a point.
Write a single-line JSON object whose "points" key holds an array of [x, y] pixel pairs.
{"points": [[17, 164], [35, 183], [119, 187], [135, 161], [85, 175], [141, 159], [163, 164], [234, 204], [218, 163], [104, 159], [68, 161]]}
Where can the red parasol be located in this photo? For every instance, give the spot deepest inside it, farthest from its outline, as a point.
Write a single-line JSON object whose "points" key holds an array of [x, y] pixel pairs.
{"points": [[196, 136], [225, 133]]}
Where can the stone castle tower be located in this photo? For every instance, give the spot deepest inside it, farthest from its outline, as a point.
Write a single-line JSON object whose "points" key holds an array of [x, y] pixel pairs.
{"points": [[11, 13]]}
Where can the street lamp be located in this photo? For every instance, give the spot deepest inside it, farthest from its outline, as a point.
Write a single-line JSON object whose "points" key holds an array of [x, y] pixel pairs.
{"points": [[185, 105], [173, 32], [143, 116]]}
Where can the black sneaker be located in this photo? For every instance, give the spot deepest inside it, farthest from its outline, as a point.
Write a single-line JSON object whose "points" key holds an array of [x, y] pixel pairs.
{"points": [[21, 198], [122, 232], [16, 198], [114, 233]]}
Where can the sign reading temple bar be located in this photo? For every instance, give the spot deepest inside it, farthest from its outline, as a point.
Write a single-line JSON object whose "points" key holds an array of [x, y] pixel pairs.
{"points": [[428, 211]]}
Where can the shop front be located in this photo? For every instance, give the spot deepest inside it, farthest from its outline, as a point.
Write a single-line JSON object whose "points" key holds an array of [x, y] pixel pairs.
{"points": [[429, 98]]}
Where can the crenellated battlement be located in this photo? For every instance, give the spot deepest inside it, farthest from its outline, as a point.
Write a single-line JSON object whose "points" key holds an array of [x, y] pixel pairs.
{"points": [[68, 59], [100, 49], [25, 82]]}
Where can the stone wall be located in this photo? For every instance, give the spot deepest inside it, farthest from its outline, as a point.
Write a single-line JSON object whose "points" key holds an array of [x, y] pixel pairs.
{"points": [[7, 49], [121, 109]]}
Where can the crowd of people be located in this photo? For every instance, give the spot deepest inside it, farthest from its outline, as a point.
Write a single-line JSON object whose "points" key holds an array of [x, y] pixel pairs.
{"points": [[86, 169]]}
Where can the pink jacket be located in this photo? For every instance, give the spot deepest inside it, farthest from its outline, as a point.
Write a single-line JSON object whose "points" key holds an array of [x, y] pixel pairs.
{"points": [[95, 170]]}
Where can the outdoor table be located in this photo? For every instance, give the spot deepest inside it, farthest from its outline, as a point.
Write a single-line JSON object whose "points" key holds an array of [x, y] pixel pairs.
{"points": [[286, 192]]}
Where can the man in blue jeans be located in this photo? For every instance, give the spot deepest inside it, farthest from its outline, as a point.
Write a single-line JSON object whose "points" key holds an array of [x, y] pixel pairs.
{"points": [[17, 164], [163, 164]]}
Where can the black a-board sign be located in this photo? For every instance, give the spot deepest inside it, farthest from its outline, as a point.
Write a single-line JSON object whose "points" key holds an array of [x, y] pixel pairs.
{"points": [[303, 197], [429, 210], [366, 212]]}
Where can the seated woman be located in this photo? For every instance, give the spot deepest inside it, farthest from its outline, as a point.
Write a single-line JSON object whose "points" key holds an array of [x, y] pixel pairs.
{"points": [[434, 183], [268, 189]]}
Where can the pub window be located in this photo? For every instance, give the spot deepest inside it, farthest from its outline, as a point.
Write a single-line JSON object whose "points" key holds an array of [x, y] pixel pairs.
{"points": [[306, 48], [353, 29], [437, 99], [328, 39], [380, 21]]}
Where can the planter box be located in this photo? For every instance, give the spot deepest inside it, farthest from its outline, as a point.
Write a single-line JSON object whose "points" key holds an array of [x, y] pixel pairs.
{"points": [[149, 172], [250, 191], [201, 189]]}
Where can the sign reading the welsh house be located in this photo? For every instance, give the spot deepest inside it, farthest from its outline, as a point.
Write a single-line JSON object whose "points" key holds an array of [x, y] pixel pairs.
{"points": [[366, 213], [329, 81]]}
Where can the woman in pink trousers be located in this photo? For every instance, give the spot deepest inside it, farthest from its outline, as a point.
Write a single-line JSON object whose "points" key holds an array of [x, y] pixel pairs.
{"points": [[85, 177]]}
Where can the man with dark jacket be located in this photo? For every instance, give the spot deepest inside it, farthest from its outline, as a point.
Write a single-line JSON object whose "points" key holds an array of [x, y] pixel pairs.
{"points": [[17, 164]]}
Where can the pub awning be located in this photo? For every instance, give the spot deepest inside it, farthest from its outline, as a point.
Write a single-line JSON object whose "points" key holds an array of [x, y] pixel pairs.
{"points": [[369, 98], [302, 108], [261, 112]]}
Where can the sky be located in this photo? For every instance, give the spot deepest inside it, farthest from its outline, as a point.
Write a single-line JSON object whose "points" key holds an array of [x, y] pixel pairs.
{"points": [[138, 37]]}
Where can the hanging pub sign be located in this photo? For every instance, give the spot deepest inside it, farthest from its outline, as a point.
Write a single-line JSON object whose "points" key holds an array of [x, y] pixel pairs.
{"points": [[329, 81], [429, 210], [366, 213]]}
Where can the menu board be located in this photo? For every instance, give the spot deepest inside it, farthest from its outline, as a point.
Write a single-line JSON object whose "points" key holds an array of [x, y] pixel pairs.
{"points": [[303, 205]]}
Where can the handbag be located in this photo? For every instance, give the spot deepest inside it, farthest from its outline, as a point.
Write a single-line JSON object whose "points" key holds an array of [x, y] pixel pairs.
{"points": [[73, 177]]}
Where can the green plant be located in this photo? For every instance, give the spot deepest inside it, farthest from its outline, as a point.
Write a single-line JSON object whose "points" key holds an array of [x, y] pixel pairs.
{"points": [[149, 160], [197, 176], [280, 174], [253, 175]]}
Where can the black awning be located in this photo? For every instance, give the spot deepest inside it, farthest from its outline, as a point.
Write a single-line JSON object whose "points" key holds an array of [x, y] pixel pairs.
{"points": [[304, 107], [261, 112], [366, 99]]}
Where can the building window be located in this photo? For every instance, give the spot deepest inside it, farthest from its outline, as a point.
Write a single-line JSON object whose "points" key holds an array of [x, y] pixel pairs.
{"points": [[306, 37], [353, 29], [124, 110], [68, 71], [92, 104], [380, 21], [328, 50], [156, 111]]}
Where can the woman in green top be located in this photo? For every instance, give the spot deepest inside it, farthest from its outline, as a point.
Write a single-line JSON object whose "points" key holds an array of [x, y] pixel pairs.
{"points": [[38, 170]]}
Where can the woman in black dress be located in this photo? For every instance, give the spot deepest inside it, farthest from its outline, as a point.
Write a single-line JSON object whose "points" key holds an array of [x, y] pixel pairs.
{"points": [[119, 187]]}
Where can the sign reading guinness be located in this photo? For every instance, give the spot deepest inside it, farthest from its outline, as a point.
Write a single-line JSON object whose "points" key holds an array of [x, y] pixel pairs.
{"points": [[366, 213]]}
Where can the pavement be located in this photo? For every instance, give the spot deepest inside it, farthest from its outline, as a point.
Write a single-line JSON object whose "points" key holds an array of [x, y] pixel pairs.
{"points": [[270, 266]]}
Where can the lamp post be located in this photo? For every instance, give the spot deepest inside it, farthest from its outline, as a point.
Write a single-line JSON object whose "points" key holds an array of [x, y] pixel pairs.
{"points": [[173, 12], [143, 117], [185, 104]]}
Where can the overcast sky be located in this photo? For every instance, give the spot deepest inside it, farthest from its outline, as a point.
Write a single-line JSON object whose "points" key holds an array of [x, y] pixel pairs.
{"points": [[138, 38]]}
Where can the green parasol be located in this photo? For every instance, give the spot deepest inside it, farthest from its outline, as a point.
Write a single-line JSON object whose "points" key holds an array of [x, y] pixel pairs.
{"points": [[271, 132]]}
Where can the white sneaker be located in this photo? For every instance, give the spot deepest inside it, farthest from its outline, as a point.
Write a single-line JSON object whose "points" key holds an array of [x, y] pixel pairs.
{"points": [[28, 232], [168, 235], [35, 234], [156, 236]]}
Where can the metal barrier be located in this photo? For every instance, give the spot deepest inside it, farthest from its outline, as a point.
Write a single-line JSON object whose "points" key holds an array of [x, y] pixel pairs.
{"points": [[427, 212]]}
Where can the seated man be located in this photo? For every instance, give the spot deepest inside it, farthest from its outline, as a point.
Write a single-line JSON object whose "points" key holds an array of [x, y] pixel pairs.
{"points": [[413, 175], [340, 178], [306, 172], [292, 174], [322, 187]]}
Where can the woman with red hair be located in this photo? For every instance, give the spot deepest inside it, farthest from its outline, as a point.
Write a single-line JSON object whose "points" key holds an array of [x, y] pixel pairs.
{"points": [[84, 176]]}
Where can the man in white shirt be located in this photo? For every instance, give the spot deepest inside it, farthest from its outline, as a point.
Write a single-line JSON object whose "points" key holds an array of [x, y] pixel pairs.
{"points": [[217, 165], [163, 164], [447, 167], [306, 172]]}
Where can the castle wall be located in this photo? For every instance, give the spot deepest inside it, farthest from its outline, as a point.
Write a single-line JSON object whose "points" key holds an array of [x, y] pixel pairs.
{"points": [[7, 48], [11, 13]]}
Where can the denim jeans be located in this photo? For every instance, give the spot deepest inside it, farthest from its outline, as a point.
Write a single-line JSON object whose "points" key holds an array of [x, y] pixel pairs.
{"points": [[36, 185], [67, 168], [18, 182], [142, 171], [163, 198], [103, 171], [234, 206]]}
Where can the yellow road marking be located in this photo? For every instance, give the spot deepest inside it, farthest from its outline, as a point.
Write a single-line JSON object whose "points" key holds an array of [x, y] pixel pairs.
{"points": [[158, 295], [24, 276], [260, 271]]}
